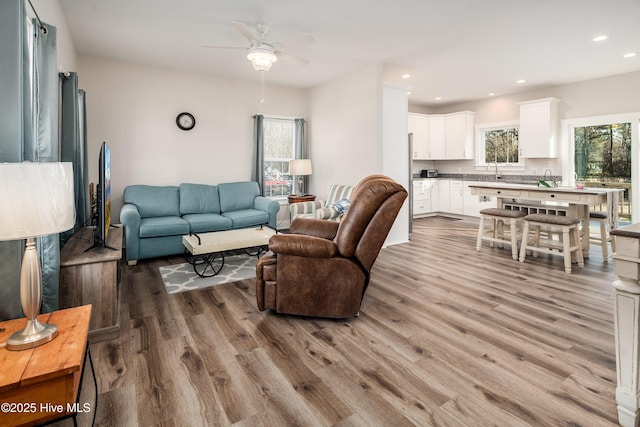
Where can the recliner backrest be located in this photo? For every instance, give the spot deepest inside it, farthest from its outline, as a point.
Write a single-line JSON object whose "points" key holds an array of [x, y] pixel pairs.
{"points": [[375, 203]]}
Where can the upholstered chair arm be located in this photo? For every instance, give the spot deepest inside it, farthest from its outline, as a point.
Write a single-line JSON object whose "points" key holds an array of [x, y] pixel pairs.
{"points": [[314, 227], [270, 206], [303, 246], [305, 207], [327, 213]]}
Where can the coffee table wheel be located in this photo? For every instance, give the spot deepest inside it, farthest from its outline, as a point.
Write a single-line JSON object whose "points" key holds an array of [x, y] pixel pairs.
{"points": [[206, 265], [255, 250]]}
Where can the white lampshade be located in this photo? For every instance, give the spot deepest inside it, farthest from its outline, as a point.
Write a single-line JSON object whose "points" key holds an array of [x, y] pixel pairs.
{"points": [[300, 167], [36, 199]]}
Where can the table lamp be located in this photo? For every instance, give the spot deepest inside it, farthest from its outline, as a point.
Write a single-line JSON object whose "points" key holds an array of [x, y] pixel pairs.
{"points": [[37, 200], [300, 168]]}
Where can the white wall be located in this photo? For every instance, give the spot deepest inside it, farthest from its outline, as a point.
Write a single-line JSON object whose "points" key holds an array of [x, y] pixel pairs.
{"points": [[345, 132], [134, 107], [603, 96]]}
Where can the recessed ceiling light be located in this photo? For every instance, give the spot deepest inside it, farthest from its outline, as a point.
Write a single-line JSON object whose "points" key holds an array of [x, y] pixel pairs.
{"points": [[406, 76], [438, 98], [521, 81], [408, 93], [629, 55], [600, 38], [492, 94]]}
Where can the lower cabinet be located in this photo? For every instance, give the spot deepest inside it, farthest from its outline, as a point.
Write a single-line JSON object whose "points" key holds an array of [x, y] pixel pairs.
{"points": [[423, 197], [448, 196], [456, 192]]}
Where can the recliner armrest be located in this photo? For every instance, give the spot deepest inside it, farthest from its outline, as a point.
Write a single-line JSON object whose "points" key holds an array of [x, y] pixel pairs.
{"points": [[301, 245], [314, 227]]}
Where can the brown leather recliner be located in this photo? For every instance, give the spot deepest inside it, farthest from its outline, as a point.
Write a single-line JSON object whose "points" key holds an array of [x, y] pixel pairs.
{"points": [[322, 268]]}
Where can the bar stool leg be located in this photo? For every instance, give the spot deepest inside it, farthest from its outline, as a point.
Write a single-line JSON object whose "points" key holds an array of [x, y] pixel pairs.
{"points": [[525, 241], [566, 248], [480, 233], [514, 238], [579, 255]]}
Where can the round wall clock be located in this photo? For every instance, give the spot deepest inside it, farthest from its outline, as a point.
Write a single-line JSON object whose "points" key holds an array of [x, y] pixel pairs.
{"points": [[185, 121]]}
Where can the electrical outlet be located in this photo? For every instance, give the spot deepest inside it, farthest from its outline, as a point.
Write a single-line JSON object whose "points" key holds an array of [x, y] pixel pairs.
{"points": [[534, 171]]}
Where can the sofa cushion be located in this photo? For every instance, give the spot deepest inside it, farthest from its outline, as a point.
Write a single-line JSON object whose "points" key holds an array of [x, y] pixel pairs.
{"points": [[247, 217], [205, 222], [235, 196], [153, 201], [163, 226], [199, 199]]}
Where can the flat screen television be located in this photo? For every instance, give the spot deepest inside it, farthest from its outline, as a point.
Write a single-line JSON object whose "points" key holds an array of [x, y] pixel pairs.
{"points": [[103, 199]]}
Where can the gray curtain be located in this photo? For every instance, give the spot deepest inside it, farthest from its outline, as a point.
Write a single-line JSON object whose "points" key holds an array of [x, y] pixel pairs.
{"points": [[258, 144], [301, 146], [28, 131], [73, 143]]}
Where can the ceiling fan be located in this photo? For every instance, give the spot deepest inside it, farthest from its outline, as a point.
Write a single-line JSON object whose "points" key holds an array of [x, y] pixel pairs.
{"points": [[263, 53]]}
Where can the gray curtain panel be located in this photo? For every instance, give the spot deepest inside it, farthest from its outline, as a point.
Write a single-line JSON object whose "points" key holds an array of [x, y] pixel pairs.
{"points": [[73, 143], [258, 149], [28, 131], [301, 146]]}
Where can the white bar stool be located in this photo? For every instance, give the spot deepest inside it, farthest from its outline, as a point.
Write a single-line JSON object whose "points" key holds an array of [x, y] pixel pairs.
{"points": [[500, 217], [605, 237], [566, 226]]}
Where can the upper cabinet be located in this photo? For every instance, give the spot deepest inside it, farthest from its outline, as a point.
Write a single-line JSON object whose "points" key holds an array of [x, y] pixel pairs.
{"points": [[436, 137], [448, 136], [538, 135], [419, 126], [459, 135]]}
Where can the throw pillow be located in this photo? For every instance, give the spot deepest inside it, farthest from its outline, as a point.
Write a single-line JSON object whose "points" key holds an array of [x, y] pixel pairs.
{"points": [[341, 206]]}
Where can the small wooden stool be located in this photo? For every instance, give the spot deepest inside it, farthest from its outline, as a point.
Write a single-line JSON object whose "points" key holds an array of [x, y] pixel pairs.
{"points": [[570, 236], [605, 237], [499, 217]]}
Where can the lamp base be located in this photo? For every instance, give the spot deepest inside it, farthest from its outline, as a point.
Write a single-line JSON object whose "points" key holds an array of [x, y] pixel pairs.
{"points": [[33, 335]]}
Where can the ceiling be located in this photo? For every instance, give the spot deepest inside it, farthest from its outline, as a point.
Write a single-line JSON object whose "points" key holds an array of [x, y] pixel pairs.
{"points": [[458, 50]]}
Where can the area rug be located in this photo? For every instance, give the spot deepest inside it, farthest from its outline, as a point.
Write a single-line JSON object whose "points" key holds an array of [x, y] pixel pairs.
{"points": [[181, 277]]}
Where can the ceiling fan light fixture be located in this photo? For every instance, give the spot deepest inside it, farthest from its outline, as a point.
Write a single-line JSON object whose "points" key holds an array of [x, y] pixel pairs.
{"points": [[261, 59]]}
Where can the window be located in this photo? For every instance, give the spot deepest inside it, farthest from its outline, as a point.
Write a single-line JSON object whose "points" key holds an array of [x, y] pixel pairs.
{"points": [[499, 143], [279, 148], [602, 158]]}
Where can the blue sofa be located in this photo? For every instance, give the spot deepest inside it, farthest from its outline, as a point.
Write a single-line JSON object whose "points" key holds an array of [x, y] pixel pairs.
{"points": [[155, 218]]}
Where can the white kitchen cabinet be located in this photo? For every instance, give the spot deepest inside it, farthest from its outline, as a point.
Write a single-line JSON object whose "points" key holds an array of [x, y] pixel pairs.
{"points": [[418, 125], [472, 205], [538, 134], [459, 135], [437, 131], [435, 196], [456, 197], [444, 198], [421, 197]]}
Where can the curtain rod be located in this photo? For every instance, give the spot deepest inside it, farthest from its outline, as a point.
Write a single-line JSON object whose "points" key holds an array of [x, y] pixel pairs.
{"points": [[42, 27]]}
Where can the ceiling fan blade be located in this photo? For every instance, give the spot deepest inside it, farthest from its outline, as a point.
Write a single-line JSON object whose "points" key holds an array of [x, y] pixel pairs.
{"points": [[291, 58], [224, 47], [296, 41], [246, 31]]}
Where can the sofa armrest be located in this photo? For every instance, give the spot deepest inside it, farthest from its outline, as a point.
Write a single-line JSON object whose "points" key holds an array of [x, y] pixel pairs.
{"points": [[130, 219], [272, 207], [303, 246]]}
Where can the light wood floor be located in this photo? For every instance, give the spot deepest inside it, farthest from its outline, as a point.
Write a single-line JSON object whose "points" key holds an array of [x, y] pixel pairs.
{"points": [[447, 336]]}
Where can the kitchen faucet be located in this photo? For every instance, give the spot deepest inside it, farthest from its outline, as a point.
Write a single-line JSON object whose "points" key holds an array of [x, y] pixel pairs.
{"points": [[495, 163]]}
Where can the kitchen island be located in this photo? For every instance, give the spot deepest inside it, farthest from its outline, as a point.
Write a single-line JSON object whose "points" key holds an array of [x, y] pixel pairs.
{"points": [[569, 201]]}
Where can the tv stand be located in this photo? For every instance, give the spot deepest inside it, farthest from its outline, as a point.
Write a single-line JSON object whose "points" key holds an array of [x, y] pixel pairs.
{"points": [[98, 245], [93, 278]]}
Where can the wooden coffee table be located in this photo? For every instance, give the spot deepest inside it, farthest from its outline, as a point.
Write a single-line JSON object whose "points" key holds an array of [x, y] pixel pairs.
{"points": [[205, 251]]}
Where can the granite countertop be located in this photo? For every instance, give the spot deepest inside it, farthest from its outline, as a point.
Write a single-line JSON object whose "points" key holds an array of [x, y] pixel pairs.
{"points": [[506, 179]]}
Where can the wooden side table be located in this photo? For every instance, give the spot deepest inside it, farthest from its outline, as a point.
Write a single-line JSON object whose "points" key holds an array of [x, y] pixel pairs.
{"points": [[302, 198], [41, 384], [91, 277]]}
